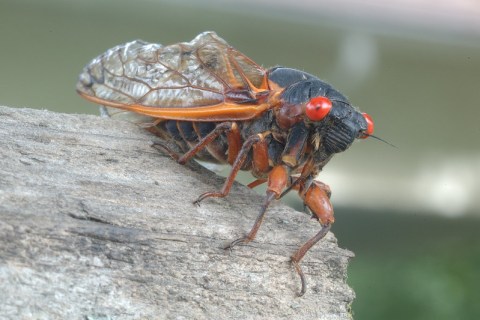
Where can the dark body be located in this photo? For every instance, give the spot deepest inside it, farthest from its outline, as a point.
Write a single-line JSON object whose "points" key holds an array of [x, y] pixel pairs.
{"points": [[300, 87]]}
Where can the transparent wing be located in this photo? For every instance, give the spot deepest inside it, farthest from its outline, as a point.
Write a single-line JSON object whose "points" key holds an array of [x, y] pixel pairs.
{"points": [[125, 115], [201, 73]]}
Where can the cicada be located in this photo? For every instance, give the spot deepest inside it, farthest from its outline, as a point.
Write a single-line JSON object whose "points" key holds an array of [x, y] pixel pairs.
{"points": [[281, 124]]}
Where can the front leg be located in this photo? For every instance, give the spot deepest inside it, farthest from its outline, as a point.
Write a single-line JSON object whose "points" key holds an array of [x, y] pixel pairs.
{"points": [[317, 198], [303, 250]]}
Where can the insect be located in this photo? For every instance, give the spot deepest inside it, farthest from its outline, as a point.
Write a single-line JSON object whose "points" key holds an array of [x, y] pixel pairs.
{"points": [[216, 104]]}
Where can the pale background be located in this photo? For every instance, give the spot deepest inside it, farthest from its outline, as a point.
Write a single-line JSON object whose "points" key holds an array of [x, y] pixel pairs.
{"points": [[411, 214]]}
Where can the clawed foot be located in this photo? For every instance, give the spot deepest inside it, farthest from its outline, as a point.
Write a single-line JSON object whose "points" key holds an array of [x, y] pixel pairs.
{"points": [[208, 195], [243, 240], [302, 277], [197, 203], [165, 149]]}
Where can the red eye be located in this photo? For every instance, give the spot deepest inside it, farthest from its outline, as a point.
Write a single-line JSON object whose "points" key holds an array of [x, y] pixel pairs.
{"points": [[318, 108], [369, 130]]}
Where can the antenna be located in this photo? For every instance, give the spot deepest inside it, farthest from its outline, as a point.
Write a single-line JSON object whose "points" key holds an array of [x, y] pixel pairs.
{"points": [[380, 139]]}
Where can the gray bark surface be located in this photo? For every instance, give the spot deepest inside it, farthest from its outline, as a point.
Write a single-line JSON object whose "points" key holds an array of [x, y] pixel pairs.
{"points": [[96, 224]]}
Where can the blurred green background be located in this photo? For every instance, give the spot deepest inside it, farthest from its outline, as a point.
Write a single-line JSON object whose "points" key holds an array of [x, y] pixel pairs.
{"points": [[410, 214]]}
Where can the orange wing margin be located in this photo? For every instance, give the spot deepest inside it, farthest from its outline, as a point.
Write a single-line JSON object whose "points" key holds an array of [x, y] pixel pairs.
{"points": [[220, 112], [202, 80]]}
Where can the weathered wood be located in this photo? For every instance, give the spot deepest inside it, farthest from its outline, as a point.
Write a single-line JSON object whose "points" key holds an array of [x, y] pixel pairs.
{"points": [[96, 224]]}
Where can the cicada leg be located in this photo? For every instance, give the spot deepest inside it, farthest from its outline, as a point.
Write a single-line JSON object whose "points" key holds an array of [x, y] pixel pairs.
{"points": [[317, 197], [256, 183], [258, 222], [219, 129], [277, 181], [303, 250], [166, 149], [237, 165]]}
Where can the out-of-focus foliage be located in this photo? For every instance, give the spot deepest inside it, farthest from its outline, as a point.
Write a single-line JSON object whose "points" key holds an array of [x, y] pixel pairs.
{"points": [[422, 92]]}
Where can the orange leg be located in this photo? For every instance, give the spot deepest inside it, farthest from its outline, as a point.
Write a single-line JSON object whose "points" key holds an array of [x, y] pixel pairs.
{"points": [[301, 252], [260, 158], [256, 183], [277, 181], [234, 139], [261, 163], [308, 171], [258, 222], [242, 156], [219, 129], [166, 149], [317, 198]]}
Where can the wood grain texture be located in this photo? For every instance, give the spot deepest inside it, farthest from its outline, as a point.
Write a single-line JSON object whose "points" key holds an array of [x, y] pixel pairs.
{"points": [[96, 224]]}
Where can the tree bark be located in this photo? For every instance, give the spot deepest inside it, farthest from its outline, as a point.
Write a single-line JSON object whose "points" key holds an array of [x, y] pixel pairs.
{"points": [[96, 224]]}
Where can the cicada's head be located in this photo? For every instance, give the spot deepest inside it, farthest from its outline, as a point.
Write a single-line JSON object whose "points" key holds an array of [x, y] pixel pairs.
{"points": [[332, 123], [335, 123]]}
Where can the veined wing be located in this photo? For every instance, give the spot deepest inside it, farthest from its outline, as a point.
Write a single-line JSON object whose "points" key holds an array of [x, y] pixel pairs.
{"points": [[204, 78]]}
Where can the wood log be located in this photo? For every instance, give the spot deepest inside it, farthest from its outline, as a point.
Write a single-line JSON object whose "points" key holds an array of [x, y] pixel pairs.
{"points": [[97, 224]]}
